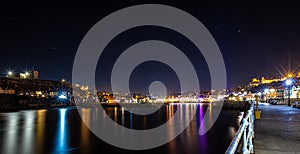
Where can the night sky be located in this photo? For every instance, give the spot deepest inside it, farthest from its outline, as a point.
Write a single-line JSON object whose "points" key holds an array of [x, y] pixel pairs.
{"points": [[254, 37]]}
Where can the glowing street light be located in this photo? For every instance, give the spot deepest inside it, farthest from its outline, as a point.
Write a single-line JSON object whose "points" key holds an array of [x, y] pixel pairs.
{"points": [[267, 91], [288, 83], [9, 73], [62, 96]]}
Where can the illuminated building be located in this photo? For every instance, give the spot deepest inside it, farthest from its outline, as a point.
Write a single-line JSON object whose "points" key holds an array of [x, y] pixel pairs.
{"points": [[29, 75], [255, 82], [9, 91], [268, 81], [263, 81]]}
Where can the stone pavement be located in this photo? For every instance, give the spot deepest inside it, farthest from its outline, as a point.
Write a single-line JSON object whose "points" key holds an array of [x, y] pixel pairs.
{"points": [[278, 130]]}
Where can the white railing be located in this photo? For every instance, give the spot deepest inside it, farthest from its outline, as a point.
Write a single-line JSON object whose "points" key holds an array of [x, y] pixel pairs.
{"points": [[246, 133]]}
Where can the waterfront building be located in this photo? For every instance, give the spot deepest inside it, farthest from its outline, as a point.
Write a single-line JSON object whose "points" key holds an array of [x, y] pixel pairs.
{"points": [[7, 91]]}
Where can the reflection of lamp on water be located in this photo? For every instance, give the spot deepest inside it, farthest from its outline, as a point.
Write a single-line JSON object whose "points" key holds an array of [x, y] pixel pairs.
{"points": [[288, 83], [62, 133]]}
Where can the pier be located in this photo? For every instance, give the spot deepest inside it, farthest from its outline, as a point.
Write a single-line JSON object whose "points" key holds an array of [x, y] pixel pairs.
{"points": [[278, 130]]}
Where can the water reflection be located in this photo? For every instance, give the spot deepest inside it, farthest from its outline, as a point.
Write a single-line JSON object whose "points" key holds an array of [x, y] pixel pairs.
{"points": [[203, 139], [63, 131], [40, 130], [11, 132], [131, 120], [28, 131], [85, 134]]}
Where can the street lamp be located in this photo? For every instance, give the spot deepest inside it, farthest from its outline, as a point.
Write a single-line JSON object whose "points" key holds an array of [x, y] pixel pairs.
{"points": [[288, 83], [267, 91], [10, 74]]}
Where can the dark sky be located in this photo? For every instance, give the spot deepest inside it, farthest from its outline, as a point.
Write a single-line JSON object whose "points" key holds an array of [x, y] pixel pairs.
{"points": [[254, 37]]}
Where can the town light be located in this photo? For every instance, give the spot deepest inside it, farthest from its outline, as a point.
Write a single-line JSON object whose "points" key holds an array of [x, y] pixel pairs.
{"points": [[289, 82], [267, 91], [62, 96], [10, 74]]}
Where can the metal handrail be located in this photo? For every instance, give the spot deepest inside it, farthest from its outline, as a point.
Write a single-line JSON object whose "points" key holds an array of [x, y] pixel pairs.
{"points": [[247, 130]]}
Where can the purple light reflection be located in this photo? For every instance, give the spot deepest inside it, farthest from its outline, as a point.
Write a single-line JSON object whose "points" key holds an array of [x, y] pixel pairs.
{"points": [[202, 138]]}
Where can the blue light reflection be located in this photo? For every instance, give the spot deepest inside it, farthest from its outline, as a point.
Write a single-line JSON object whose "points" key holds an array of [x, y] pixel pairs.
{"points": [[62, 133]]}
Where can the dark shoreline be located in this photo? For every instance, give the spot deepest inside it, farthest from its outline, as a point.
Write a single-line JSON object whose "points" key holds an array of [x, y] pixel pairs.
{"points": [[11, 103], [228, 105], [236, 105], [15, 109]]}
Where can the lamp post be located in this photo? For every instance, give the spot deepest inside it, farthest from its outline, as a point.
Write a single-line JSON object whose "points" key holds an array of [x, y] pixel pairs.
{"points": [[288, 83], [10, 74], [27, 75], [267, 91], [62, 83]]}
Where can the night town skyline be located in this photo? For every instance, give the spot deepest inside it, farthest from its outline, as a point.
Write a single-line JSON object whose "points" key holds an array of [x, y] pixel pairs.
{"points": [[254, 37], [150, 76]]}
